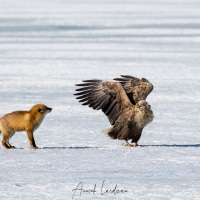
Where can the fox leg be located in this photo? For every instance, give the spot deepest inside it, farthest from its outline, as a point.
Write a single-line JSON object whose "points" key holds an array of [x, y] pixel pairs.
{"points": [[31, 139], [7, 142], [4, 141]]}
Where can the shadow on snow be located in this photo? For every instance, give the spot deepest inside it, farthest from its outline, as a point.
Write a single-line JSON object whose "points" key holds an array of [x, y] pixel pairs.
{"points": [[153, 145], [172, 145], [71, 147]]}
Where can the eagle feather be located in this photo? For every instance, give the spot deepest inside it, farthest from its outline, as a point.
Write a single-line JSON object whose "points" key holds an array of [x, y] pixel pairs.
{"points": [[123, 101]]}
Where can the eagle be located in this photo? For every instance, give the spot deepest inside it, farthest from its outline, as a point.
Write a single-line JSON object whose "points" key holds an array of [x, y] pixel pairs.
{"points": [[123, 101]]}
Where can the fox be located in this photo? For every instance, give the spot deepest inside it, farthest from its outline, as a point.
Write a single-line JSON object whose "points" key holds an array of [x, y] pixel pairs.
{"points": [[27, 121]]}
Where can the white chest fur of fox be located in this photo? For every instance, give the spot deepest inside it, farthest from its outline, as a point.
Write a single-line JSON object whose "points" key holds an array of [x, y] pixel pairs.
{"points": [[22, 121]]}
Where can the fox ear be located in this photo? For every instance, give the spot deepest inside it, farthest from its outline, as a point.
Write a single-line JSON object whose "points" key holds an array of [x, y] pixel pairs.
{"points": [[40, 110]]}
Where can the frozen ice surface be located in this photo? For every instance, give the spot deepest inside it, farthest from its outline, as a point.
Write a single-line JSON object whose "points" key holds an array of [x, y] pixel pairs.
{"points": [[48, 46]]}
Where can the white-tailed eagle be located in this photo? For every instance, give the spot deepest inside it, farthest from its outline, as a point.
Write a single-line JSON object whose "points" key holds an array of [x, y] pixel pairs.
{"points": [[123, 102]]}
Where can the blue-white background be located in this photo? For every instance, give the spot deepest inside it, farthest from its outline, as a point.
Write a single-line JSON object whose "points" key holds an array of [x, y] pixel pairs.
{"points": [[47, 46]]}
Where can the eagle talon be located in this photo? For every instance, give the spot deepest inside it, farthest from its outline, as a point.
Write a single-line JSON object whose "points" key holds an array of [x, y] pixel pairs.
{"points": [[131, 145], [128, 145], [136, 145]]}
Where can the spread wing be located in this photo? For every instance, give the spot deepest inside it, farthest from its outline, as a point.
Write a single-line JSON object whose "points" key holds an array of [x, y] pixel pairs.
{"points": [[135, 88], [108, 96]]}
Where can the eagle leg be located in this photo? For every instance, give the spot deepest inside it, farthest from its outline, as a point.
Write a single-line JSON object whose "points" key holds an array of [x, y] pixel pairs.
{"points": [[127, 144], [136, 145]]}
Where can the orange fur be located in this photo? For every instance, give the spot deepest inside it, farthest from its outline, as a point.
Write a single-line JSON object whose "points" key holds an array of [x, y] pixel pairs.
{"points": [[22, 121]]}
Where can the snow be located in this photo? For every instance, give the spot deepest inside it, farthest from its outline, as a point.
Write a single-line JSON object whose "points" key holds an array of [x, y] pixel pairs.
{"points": [[48, 46]]}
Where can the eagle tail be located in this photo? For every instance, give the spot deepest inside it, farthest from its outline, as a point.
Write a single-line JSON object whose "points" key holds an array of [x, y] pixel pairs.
{"points": [[117, 132], [111, 132], [106, 130]]}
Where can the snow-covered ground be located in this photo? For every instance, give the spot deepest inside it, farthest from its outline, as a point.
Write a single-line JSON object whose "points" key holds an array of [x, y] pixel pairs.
{"points": [[47, 46]]}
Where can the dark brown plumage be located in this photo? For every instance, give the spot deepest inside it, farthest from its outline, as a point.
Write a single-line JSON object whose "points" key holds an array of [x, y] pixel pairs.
{"points": [[135, 88], [122, 102]]}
